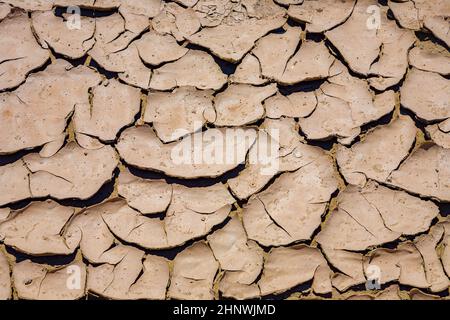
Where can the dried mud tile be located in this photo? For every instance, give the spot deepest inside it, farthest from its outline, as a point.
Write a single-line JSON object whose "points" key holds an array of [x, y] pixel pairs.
{"points": [[193, 273], [140, 147], [427, 94], [136, 276], [439, 27], [193, 212], [322, 280], [291, 208], [390, 293], [350, 265], [180, 112], [403, 265], [146, 196], [113, 106], [132, 227], [207, 75], [428, 56], [147, 8], [241, 259], [73, 172], [426, 244], [320, 16], [358, 44], [426, 172], [392, 63], [379, 153], [285, 151], [54, 32], [416, 294], [439, 136], [14, 182], [5, 278], [274, 51], [155, 48], [248, 72], [39, 229], [98, 244], [187, 22], [165, 21], [241, 104], [295, 105], [5, 9], [4, 214], [374, 215], [19, 51], [285, 268], [42, 106], [31, 5], [224, 37], [412, 14], [311, 62], [344, 103], [34, 281]]}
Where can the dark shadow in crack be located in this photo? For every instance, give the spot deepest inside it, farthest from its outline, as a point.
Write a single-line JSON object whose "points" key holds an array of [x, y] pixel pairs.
{"points": [[50, 260]]}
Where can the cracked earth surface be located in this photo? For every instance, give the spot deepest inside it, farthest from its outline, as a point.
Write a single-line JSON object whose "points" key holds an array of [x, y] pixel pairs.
{"points": [[354, 95]]}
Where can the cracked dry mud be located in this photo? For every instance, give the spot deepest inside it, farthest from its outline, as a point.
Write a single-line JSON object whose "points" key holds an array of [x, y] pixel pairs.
{"points": [[353, 96]]}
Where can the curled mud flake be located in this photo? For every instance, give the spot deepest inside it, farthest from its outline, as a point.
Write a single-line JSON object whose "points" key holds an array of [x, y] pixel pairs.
{"points": [[5, 9], [286, 153], [440, 133], [445, 246], [241, 104], [427, 94], [179, 113], [285, 268], [248, 72], [136, 276], [53, 32], [426, 244], [291, 208], [412, 14], [155, 48], [426, 172], [358, 44], [350, 265], [344, 103], [39, 229], [311, 62], [5, 278], [403, 265], [225, 38], [390, 293], [36, 113], [379, 153], [195, 211], [14, 183], [34, 281], [295, 105], [73, 172], [132, 227], [187, 22], [19, 51], [274, 51], [31, 5], [146, 196], [112, 107], [98, 245], [320, 16], [416, 294], [241, 259], [140, 147], [392, 64], [207, 73], [439, 26], [428, 56], [374, 215], [193, 273]]}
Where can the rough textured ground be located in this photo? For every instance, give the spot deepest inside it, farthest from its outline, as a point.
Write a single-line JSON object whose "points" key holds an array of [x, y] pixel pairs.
{"points": [[93, 107]]}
